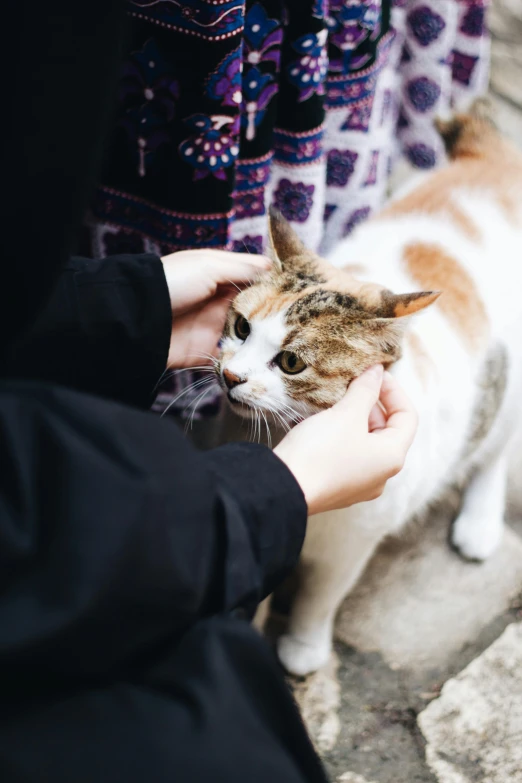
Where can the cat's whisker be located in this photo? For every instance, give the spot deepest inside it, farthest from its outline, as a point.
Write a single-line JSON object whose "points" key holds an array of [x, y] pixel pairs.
{"points": [[234, 284], [202, 367], [160, 379], [195, 385], [274, 413], [284, 424], [268, 434], [195, 404], [212, 359], [289, 408], [273, 418], [252, 435], [291, 411], [292, 419], [285, 415], [196, 368], [284, 410]]}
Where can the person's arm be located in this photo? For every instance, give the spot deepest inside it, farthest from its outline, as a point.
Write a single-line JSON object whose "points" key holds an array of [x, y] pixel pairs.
{"points": [[116, 534], [105, 330], [111, 326]]}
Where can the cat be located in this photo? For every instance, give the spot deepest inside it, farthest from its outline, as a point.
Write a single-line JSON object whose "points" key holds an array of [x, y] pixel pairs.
{"points": [[432, 288]]}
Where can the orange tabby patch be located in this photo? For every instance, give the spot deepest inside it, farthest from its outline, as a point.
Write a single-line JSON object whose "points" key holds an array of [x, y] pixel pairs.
{"points": [[495, 168], [433, 268], [434, 198], [269, 305]]}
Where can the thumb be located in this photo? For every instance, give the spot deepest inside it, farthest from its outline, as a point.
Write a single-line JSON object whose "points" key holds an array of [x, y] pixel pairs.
{"points": [[364, 391]]}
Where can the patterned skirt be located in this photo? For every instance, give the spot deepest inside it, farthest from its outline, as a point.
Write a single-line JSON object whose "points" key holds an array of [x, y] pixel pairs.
{"points": [[224, 107]]}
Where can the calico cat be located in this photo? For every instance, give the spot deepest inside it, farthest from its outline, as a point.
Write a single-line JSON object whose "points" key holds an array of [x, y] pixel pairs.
{"points": [[431, 288]]}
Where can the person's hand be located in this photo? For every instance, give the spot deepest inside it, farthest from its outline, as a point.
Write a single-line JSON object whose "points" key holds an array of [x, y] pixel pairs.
{"points": [[345, 455], [201, 285]]}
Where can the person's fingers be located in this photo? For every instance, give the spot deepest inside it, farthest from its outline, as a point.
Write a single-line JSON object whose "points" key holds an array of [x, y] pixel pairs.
{"points": [[228, 292], [195, 335], [209, 325], [218, 257], [363, 392], [217, 309], [400, 412], [238, 267], [222, 256], [377, 420], [235, 274]]}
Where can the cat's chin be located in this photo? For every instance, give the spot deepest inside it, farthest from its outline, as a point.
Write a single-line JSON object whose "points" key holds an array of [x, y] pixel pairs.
{"points": [[250, 412], [241, 409]]}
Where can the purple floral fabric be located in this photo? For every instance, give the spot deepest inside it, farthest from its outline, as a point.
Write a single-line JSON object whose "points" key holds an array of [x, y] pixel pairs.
{"points": [[309, 70], [340, 167], [445, 63], [225, 106], [149, 94], [294, 200]]}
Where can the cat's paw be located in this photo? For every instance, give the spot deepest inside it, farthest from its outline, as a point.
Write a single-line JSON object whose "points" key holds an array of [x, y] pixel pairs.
{"points": [[476, 537], [301, 658]]}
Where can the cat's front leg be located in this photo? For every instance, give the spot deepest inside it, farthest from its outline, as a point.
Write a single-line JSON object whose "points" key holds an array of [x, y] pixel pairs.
{"points": [[335, 553], [477, 531]]}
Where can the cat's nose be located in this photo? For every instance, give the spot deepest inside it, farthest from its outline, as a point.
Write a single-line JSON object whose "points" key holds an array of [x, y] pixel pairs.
{"points": [[231, 379]]}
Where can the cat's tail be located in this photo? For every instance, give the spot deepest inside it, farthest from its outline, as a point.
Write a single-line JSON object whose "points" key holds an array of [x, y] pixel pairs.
{"points": [[469, 135]]}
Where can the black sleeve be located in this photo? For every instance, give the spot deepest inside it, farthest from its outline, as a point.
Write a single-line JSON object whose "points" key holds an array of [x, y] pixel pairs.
{"points": [[60, 63], [105, 330], [116, 535]]}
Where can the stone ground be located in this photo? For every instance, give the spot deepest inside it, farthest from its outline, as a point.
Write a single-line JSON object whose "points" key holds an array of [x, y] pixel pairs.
{"points": [[426, 682], [419, 616]]}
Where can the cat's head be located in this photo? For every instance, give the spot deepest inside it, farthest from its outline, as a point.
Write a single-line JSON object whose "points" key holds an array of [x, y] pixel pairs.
{"points": [[294, 340]]}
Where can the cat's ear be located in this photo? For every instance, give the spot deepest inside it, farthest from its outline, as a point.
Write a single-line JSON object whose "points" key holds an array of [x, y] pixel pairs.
{"points": [[284, 243], [401, 305]]}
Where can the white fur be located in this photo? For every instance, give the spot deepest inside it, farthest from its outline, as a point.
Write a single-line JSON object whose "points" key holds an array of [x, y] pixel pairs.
{"points": [[254, 360], [339, 544]]}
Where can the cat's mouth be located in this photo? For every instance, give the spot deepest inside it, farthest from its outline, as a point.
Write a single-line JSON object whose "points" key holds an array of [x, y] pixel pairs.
{"points": [[233, 401], [239, 405], [241, 408]]}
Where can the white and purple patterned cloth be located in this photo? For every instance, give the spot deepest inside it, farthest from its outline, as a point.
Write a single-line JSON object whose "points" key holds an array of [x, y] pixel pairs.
{"points": [[435, 58], [444, 65], [306, 104]]}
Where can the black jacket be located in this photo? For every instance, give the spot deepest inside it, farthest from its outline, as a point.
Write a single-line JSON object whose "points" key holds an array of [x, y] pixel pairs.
{"points": [[106, 510], [118, 540]]}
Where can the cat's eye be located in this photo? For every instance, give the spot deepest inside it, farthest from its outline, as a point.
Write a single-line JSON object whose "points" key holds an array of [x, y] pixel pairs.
{"points": [[290, 363], [242, 327]]}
